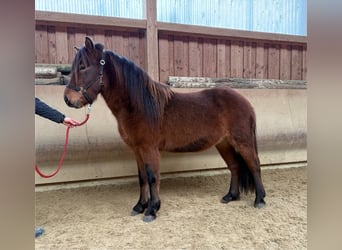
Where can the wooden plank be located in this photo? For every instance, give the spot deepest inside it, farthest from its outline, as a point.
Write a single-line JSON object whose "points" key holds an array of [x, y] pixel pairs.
{"points": [[125, 37], [304, 68], [108, 40], [99, 36], [71, 44], [261, 61], [221, 58], [152, 39], [181, 56], [236, 60], [77, 39], [65, 18], [51, 39], [55, 44], [90, 32], [61, 45], [300, 62], [178, 56], [186, 55], [228, 58], [240, 83], [296, 63], [273, 61], [223, 32], [285, 62], [41, 44], [195, 56], [142, 50], [249, 60], [133, 47], [86, 20], [164, 67], [209, 57], [118, 42], [171, 54], [80, 34]]}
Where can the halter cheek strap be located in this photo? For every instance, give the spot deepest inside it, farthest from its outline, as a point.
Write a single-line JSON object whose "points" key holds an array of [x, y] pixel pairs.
{"points": [[102, 63], [86, 96], [84, 90]]}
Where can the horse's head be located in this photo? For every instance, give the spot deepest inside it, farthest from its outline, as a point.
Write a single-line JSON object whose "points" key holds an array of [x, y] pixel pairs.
{"points": [[86, 79]]}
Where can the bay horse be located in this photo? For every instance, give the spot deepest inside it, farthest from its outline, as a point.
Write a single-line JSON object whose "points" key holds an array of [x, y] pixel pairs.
{"points": [[152, 117]]}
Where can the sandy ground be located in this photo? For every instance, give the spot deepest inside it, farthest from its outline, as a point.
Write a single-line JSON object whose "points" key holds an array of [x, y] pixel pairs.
{"points": [[191, 215]]}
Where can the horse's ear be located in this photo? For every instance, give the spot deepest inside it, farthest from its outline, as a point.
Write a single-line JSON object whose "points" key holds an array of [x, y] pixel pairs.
{"points": [[89, 43]]}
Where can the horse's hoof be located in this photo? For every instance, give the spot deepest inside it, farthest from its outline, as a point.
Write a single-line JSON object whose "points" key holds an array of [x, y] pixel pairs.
{"points": [[228, 198], [138, 209], [149, 218], [134, 213], [224, 201], [260, 204]]}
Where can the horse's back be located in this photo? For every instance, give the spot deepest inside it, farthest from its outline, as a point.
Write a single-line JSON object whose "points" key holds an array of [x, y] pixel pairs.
{"points": [[212, 102], [197, 120]]}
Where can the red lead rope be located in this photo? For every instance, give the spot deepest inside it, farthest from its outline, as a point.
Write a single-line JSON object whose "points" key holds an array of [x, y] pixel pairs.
{"points": [[64, 151]]}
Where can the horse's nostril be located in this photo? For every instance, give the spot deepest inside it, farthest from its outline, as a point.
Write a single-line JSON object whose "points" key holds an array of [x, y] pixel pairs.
{"points": [[67, 101]]}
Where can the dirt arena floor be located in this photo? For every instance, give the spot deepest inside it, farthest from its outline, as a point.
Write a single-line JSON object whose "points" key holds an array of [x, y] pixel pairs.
{"points": [[191, 215]]}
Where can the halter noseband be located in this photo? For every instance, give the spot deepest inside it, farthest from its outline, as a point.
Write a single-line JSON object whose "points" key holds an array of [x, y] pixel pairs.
{"points": [[83, 90]]}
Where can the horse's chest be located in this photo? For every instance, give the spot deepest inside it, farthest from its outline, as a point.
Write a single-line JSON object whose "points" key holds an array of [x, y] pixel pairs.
{"points": [[130, 135], [124, 135]]}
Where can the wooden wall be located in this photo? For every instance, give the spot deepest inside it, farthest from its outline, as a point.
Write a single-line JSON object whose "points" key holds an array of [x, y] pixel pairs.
{"points": [[180, 50], [55, 44], [189, 55]]}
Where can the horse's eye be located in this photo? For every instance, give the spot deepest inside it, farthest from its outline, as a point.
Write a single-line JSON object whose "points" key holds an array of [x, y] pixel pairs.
{"points": [[82, 67]]}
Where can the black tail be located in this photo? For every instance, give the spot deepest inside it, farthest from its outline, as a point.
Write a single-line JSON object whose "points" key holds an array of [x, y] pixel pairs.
{"points": [[255, 141], [246, 180]]}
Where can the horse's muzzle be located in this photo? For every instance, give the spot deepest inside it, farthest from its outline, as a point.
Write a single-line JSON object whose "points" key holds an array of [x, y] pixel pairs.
{"points": [[70, 104]]}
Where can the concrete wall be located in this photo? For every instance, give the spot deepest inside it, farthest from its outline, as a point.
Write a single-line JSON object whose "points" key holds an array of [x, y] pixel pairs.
{"points": [[95, 150]]}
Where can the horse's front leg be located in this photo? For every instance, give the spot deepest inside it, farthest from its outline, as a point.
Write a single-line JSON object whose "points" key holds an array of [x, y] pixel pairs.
{"points": [[151, 158], [144, 187]]}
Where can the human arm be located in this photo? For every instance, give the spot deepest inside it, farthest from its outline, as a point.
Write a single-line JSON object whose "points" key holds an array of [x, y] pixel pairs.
{"points": [[44, 110]]}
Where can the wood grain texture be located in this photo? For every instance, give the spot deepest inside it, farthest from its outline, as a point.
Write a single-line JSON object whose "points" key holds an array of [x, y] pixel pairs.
{"points": [[171, 50]]}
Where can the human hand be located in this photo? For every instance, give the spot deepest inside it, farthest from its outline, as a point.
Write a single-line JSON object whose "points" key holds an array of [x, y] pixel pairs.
{"points": [[69, 122]]}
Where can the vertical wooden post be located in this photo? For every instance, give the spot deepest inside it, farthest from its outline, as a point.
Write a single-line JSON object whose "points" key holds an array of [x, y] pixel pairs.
{"points": [[152, 54]]}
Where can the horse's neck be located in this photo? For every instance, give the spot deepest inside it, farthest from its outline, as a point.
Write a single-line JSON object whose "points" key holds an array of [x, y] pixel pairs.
{"points": [[116, 100]]}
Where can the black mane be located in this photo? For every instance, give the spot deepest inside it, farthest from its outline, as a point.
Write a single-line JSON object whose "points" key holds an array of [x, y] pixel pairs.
{"points": [[147, 96]]}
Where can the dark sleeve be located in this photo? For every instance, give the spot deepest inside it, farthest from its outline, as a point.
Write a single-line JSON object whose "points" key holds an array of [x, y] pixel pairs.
{"points": [[44, 110]]}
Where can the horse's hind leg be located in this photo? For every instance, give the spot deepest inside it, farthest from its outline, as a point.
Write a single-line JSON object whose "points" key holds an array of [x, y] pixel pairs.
{"points": [[228, 154], [245, 171], [250, 156], [247, 148]]}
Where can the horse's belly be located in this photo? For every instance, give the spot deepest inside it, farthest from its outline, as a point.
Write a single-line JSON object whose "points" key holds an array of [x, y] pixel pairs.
{"points": [[192, 145], [195, 146]]}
